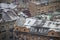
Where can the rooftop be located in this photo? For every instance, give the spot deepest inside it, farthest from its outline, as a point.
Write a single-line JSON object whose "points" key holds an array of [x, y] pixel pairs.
{"points": [[42, 24], [5, 6], [38, 2], [7, 15]]}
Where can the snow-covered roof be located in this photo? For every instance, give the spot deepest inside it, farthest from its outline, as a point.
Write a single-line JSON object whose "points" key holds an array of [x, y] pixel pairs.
{"points": [[20, 21], [5, 6], [56, 30], [12, 6], [29, 22], [40, 2], [46, 24], [22, 14], [43, 16], [8, 15], [52, 25], [37, 3], [32, 22]]}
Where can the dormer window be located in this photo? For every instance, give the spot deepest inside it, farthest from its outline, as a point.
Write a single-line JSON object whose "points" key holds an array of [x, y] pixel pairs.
{"points": [[49, 23], [39, 30], [45, 30], [29, 22], [0, 16], [53, 23], [32, 29], [35, 30], [57, 25]]}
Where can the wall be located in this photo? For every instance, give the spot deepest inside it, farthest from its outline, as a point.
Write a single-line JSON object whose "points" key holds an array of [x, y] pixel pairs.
{"points": [[6, 31], [37, 9], [21, 35]]}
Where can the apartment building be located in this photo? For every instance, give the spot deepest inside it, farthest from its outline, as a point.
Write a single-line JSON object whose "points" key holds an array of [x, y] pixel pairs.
{"points": [[38, 30], [7, 21], [37, 7]]}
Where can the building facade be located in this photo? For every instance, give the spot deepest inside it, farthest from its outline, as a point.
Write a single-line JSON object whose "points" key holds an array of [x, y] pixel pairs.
{"points": [[7, 21], [37, 7], [22, 33], [42, 30]]}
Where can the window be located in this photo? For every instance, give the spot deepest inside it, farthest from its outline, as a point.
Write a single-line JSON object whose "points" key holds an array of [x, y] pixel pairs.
{"points": [[0, 16], [39, 30], [11, 14], [49, 23], [29, 22], [38, 38], [24, 37], [24, 29], [4, 37], [11, 30], [52, 33], [45, 30], [55, 6], [24, 1], [16, 28], [32, 37], [11, 38], [43, 0], [38, 13], [16, 38], [46, 4], [38, 9], [17, 32], [38, 0], [57, 25], [32, 29], [51, 39], [0, 31], [3, 29], [30, 0], [35, 30]]}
